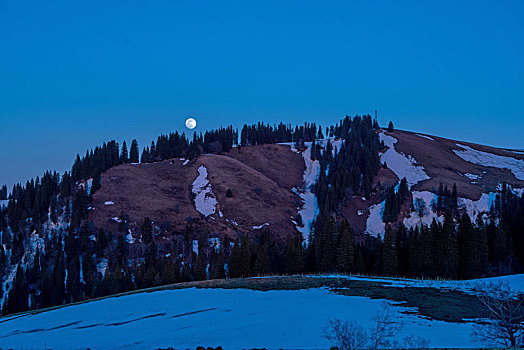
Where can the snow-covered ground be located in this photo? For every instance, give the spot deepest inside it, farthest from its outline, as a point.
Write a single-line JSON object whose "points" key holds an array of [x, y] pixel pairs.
{"points": [[309, 209], [423, 203], [260, 226], [473, 208], [205, 200], [516, 166], [400, 164], [231, 318], [109, 203], [374, 224], [514, 282], [472, 176], [426, 137]]}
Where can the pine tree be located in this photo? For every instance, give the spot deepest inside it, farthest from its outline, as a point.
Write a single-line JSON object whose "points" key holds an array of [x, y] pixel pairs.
{"points": [[346, 249], [147, 231], [389, 253], [124, 157], [133, 152], [18, 294], [390, 126]]}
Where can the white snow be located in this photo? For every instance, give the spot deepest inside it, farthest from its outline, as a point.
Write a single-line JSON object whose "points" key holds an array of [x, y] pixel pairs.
{"points": [[195, 246], [400, 164], [205, 201], [129, 238], [472, 176], [232, 221], [426, 137], [231, 318], [423, 203], [309, 209], [4, 203], [374, 224], [101, 267], [185, 162], [117, 219], [474, 208], [516, 166], [86, 185], [260, 226], [109, 203]]}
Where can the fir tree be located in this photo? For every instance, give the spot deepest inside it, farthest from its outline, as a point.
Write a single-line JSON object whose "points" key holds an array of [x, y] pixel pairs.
{"points": [[345, 249], [389, 253], [390, 126], [147, 231], [124, 157], [133, 152]]}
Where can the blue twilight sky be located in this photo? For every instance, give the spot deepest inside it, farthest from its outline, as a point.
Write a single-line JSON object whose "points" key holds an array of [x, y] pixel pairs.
{"points": [[74, 74]]}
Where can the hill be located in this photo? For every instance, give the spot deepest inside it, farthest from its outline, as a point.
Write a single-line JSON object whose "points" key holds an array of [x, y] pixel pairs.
{"points": [[263, 179], [275, 312], [270, 200]]}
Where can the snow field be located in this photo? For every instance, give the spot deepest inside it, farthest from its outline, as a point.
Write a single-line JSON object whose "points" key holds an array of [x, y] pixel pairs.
{"points": [[205, 200], [401, 165], [309, 210], [231, 318], [374, 224], [516, 166], [423, 202]]}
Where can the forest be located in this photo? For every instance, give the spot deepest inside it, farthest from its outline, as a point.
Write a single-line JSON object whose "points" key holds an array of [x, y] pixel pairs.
{"points": [[65, 268]]}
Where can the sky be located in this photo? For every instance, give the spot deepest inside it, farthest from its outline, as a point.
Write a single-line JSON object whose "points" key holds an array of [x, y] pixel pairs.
{"points": [[76, 74]]}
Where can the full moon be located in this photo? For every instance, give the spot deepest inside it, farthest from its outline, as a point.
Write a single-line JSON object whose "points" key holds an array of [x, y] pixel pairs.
{"points": [[190, 123]]}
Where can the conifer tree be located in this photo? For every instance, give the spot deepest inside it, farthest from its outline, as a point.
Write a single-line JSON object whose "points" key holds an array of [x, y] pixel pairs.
{"points": [[147, 231], [390, 126], [124, 156], [389, 253], [345, 249], [133, 152]]}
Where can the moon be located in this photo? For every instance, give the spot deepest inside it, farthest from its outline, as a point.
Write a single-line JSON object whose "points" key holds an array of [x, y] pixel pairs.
{"points": [[190, 123]]}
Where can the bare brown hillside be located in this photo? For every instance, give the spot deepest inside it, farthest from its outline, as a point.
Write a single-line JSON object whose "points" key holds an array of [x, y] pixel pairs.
{"points": [[163, 192], [261, 179], [443, 165]]}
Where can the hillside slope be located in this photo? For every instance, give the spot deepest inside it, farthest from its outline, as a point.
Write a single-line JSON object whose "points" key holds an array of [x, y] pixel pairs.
{"points": [[263, 180], [260, 179]]}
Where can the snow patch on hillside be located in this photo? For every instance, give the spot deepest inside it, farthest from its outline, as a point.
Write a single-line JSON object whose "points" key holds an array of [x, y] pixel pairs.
{"points": [[374, 224], [260, 226], [205, 200], [516, 166], [472, 176], [86, 185], [400, 164], [474, 208], [109, 203], [426, 137], [309, 209], [423, 213]]}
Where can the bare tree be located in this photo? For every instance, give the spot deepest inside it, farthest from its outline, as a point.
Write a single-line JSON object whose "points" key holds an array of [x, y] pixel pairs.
{"points": [[385, 327], [415, 342], [505, 310], [345, 335]]}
